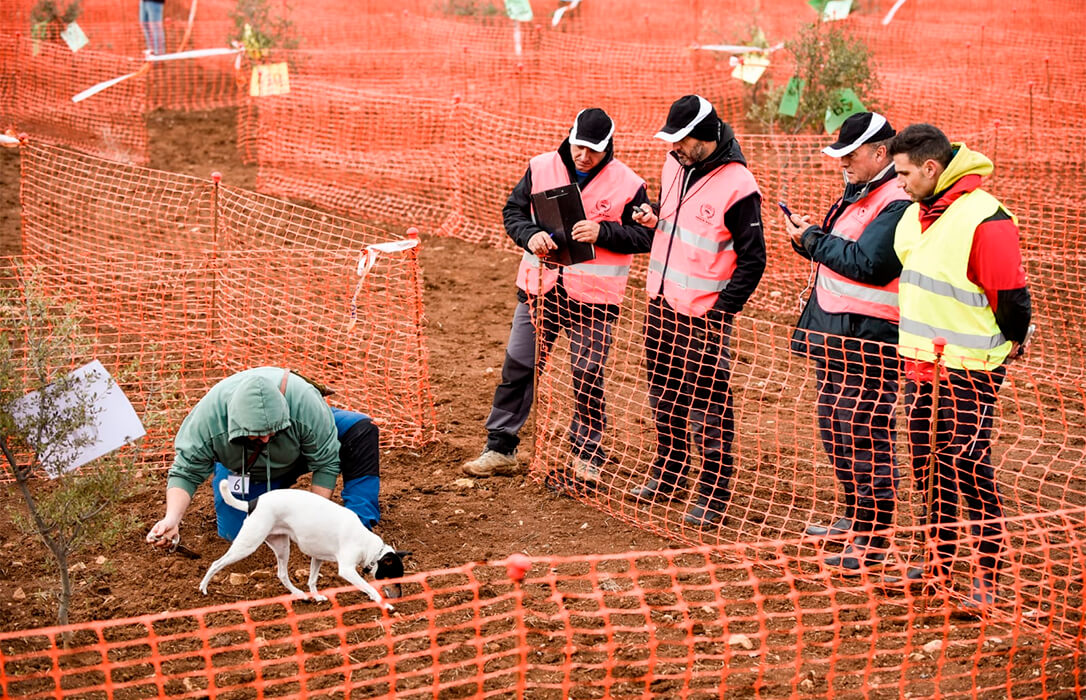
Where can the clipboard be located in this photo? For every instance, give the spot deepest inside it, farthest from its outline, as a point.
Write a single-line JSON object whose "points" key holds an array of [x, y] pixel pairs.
{"points": [[556, 211]]}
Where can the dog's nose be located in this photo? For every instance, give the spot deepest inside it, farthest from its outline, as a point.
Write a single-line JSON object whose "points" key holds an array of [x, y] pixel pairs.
{"points": [[392, 590]]}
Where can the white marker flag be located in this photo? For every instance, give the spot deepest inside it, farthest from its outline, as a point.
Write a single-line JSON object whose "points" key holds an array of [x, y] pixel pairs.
{"points": [[113, 421]]}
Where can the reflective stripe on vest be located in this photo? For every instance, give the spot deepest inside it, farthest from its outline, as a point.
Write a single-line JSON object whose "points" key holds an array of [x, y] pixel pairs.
{"points": [[837, 294], [603, 279], [936, 296], [693, 256]]}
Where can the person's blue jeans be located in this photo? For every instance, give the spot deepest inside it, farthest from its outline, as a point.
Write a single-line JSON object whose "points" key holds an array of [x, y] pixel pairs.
{"points": [[359, 457], [151, 23]]}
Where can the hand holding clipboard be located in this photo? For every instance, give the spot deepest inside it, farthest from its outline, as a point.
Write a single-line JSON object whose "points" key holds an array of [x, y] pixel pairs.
{"points": [[559, 211]]}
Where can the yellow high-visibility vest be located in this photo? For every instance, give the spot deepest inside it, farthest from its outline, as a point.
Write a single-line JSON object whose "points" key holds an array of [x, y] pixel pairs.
{"points": [[935, 294]]}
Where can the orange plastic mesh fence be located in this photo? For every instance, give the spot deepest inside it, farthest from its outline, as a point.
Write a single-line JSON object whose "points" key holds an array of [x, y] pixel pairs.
{"points": [[39, 81], [177, 271], [762, 620], [1020, 65]]}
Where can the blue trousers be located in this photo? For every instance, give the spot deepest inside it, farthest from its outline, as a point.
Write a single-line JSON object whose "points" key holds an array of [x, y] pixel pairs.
{"points": [[151, 22], [359, 459]]}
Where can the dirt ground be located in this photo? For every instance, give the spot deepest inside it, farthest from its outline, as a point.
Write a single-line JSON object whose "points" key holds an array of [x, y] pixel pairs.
{"points": [[469, 302]]}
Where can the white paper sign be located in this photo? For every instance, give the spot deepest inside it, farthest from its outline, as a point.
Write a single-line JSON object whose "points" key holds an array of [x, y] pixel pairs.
{"points": [[114, 422], [835, 10], [74, 37]]}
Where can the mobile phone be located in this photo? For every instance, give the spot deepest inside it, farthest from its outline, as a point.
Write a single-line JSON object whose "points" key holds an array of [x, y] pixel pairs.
{"points": [[785, 209]]}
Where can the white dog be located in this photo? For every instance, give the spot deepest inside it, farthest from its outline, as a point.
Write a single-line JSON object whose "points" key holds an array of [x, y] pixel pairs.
{"points": [[324, 530]]}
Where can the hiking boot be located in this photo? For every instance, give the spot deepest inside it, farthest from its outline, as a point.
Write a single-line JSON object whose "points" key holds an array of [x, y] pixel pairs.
{"points": [[491, 463], [841, 526], [982, 596], [652, 490], [863, 553], [706, 512], [585, 471]]}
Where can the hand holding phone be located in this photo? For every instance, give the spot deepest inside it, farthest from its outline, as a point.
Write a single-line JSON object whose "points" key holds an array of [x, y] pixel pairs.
{"points": [[785, 209]]}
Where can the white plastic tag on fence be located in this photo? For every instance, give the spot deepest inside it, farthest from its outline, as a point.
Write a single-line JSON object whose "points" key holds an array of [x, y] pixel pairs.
{"points": [[6, 140], [836, 10], [563, 10], [394, 246], [893, 11], [74, 37], [736, 48], [519, 10], [180, 56], [95, 89], [194, 53]]}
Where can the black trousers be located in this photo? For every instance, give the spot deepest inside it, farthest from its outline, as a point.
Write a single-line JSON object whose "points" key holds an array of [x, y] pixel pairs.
{"points": [[589, 330], [856, 404], [963, 460], [689, 368]]}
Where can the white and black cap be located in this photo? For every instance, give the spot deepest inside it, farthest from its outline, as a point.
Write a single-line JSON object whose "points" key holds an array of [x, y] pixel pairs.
{"points": [[857, 130], [690, 115], [592, 129]]}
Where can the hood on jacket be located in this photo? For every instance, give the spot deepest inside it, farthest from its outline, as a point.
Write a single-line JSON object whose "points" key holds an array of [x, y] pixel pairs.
{"points": [[964, 162], [256, 408]]}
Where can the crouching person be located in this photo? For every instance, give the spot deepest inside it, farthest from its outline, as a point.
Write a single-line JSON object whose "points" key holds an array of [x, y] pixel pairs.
{"points": [[262, 429]]}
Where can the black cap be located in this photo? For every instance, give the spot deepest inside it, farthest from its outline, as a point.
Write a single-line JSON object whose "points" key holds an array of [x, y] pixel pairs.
{"points": [[690, 115], [857, 130], [592, 129]]}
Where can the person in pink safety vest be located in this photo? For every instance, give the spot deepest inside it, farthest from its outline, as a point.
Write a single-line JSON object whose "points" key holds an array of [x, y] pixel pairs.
{"points": [[849, 328], [708, 255], [581, 299]]}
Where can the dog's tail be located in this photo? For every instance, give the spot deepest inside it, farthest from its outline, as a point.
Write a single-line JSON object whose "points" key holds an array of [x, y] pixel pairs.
{"points": [[231, 500]]}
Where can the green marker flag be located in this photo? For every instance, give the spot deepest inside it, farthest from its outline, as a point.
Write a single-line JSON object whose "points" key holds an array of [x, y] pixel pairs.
{"points": [[818, 5], [844, 105], [790, 99], [519, 10]]}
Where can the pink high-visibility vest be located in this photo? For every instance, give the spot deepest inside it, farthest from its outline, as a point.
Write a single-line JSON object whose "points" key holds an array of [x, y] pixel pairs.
{"points": [[701, 259], [603, 279], [837, 294]]}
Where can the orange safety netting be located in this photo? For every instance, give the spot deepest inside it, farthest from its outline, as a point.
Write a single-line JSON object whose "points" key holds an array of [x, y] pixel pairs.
{"points": [[761, 620], [191, 277]]}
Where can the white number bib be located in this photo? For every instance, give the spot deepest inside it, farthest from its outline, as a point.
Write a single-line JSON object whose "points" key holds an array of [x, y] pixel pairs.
{"points": [[239, 485]]}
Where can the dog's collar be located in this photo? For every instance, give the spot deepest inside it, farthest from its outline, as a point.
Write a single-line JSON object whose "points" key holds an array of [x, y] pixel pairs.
{"points": [[371, 567]]}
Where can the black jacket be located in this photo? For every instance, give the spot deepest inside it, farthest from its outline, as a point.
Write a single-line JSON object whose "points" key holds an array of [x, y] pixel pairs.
{"points": [[624, 237], [870, 259], [743, 219]]}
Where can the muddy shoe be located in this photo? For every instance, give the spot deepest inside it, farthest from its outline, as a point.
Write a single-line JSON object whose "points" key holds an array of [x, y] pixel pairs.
{"points": [[491, 463], [866, 553], [585, 471]]}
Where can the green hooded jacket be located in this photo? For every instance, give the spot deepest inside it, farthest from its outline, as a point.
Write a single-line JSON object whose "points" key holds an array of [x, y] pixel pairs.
{"points": [[249, 403]]}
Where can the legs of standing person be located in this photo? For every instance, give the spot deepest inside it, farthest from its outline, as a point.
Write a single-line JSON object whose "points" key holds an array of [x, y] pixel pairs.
{"points": [[963, 463], [932, 478], [712, 418], [872, 389], [589, 328], [975, 402], [359, 464], [514, 395], [229, 519], [666, 353], [833, 430], [151, 23]]}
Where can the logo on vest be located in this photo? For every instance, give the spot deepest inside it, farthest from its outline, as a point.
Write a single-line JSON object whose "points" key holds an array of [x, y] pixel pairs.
{"points": [[603, 206], [706, 213]]}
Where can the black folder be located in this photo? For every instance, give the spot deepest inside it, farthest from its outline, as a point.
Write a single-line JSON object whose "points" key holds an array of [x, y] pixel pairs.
{"points": [[556, 211]]}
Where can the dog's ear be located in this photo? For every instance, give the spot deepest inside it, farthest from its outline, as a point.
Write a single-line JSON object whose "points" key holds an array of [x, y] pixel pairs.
{"points": [[389, 566], [401, 554]]}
